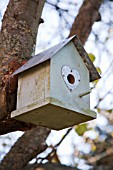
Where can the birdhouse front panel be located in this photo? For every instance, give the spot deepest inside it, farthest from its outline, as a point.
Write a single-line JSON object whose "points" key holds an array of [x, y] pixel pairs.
{"points": [[70, 79]]}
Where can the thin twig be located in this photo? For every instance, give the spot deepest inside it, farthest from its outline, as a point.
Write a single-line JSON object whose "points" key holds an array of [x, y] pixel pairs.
{"points": [[52, 153], [68, 131], [56, 6]]}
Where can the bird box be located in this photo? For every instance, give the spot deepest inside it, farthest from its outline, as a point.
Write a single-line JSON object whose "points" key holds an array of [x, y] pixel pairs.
{"points": [[53, 87]]}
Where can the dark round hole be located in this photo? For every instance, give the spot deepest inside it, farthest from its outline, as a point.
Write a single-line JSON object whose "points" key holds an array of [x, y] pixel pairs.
{"points": [[71, 79]]}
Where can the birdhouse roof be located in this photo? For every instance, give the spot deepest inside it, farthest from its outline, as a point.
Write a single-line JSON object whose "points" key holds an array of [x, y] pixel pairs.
{"points": [[47, 54]]}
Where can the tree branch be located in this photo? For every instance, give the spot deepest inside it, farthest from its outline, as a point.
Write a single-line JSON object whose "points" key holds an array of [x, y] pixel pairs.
{"points": [[49, 166], [17, 38], [54, 148], [102, 156], [25, 149], [88, 14], [11, 125]]}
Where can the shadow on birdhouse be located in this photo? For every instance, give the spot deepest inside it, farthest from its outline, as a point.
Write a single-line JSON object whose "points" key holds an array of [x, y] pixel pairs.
{"points": [[53, 87]]}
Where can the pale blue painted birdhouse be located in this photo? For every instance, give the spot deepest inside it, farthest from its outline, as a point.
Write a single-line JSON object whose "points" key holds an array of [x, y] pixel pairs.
{"points": [[53, 87]]}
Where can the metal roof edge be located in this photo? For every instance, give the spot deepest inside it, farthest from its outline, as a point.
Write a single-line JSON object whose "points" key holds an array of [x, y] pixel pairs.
{"points": [[58, 47], [47, 54]]}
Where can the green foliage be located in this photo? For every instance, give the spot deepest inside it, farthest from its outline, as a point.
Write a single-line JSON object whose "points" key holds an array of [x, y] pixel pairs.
{"points": [[80, 129], [95, 82], [4, 144], [92, 57], [110, 111], [99, 70]]}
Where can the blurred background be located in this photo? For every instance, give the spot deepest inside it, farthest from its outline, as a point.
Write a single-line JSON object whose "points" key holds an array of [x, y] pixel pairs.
{"points": [[90, 143]]}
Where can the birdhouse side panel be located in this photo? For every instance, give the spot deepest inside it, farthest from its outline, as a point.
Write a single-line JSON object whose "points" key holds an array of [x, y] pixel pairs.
{"points": [[47, 79], [33, 85], [67, 94]]}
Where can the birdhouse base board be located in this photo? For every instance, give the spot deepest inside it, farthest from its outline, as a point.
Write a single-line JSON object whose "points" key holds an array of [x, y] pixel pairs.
{"points": [[49, 115]]}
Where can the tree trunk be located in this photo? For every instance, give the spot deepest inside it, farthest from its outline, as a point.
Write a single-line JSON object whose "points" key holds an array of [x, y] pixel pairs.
{"points": [[17, 39], [88, 14]]}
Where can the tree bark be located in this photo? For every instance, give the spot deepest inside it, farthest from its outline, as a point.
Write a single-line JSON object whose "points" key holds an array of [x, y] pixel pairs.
{"points": [[49, 166], [25, 149], [12, 125], [88, 14], [17, 39]]}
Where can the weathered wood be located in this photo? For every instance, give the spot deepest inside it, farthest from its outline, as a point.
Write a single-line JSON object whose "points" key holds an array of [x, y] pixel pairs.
{"points": [[61, 107], [31, 86]]}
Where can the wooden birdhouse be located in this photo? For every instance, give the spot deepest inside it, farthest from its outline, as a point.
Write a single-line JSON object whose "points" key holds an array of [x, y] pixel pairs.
{"points": [[53, 87]]}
